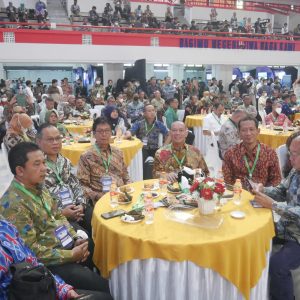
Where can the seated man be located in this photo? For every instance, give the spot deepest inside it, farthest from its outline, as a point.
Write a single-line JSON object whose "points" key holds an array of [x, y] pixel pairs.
{"points": [[159, 104], [171, 113], [173, 157], [251, 159], [276, 117], [33, 211], [49, 105], [247, 107], [63, 186], [148, 131], [75, 9], [135, 109], [101, 164], [11, 12], [192, 107], [81, 106], [284, 199], [20, 253], [229, 135]]}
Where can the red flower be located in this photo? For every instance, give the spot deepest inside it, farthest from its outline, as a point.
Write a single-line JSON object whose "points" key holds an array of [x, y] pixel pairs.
{"points": [[195, 186], [207, 194], [219, 188], [164, 155]]}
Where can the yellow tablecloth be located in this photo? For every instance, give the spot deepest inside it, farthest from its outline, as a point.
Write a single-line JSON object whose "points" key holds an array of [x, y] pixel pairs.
{"points": [[237, 250], [129, 148], [194, 121], [79, 129], [273, 138]]}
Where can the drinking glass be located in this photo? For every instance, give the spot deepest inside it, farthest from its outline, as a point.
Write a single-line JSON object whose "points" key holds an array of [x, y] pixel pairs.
{"points": [[118, 134], [163, 183], [113, 196]]}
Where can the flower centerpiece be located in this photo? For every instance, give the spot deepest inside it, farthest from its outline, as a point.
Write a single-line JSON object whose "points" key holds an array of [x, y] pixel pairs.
{"points": [[207, 193]]}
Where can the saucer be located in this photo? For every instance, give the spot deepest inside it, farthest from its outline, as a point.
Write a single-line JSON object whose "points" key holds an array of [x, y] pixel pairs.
{"points": [[237, 214]]}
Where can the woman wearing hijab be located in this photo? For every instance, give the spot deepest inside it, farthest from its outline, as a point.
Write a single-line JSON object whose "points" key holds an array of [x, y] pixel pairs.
{"points": [[115, 120], [52, 118], [18, 131]]}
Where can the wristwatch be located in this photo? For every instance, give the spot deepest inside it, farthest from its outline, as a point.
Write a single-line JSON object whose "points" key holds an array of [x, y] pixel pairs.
{"points": [[274, 206]]}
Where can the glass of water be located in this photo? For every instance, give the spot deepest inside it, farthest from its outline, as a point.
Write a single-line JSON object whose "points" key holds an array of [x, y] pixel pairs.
{"points": [[113, 196]]}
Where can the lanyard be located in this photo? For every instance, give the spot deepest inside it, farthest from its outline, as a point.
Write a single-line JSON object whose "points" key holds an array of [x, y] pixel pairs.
{"points": [[148, 130], [255, 162], [37, 199], [180, 162], [106, 163], [233, 123], [217, 119], [56, 171]]}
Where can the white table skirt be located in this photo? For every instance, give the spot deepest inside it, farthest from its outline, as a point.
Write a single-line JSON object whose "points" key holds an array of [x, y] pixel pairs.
{"points": [[158, 279], [135, 169]]}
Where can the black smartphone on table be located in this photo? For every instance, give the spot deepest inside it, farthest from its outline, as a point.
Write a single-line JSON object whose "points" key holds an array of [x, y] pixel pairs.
{"points": [[113, 214]]}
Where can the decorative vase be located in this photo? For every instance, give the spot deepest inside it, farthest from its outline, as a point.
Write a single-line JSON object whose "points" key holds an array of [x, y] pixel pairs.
{"points": [[206, 207]]}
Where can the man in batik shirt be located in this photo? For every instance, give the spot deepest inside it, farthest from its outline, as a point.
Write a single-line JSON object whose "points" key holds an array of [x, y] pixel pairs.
{"points": [[248, 107], [251, 159], [148, 131], [32, 210], [229, 135], [63, 186], [173, 157], [284, 199], [102, 164]]}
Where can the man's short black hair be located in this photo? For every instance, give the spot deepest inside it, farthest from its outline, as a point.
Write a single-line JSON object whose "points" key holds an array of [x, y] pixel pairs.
{"points": [[17, 156], [39, 133], [28, 82], [100, 121], [217, 104], [147, 105], [248, 118], [285, 97], [54, 81]]}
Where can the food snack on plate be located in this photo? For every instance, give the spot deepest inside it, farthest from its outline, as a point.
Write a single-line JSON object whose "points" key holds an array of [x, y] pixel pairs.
{"points": [[148, 186], [124, 189]]}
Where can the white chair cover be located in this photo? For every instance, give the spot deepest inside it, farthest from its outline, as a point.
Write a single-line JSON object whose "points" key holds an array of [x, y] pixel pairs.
{"points": [[99, 108], [180, 114], [213, 161], [282, 153]]}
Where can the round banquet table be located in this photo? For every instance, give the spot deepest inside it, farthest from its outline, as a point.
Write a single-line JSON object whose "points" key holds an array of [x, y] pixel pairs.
{"points": [[273, 138], [79, 129], [269, 137], [170, 260], [132, 151]]}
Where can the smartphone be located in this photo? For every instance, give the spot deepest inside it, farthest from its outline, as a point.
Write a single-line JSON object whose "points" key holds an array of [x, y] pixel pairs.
{"points": [[255, 204], [113, 214]]}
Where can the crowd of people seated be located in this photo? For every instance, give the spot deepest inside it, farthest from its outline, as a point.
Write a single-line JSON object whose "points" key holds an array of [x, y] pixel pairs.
{"points": [[56, 204], [121, 12], [22, 14]]}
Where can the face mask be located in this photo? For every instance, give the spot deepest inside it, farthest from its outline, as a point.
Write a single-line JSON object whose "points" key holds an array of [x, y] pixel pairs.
{"points": [[137, 84], [278, 110], [98, 82], [4, 99]]}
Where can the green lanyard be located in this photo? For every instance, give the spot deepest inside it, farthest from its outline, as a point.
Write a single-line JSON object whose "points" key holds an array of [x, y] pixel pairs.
{"points": [[106, 163], [180, 162], [255, 162], [56, 171], [37, 199], [217, 119], [146, 126]]}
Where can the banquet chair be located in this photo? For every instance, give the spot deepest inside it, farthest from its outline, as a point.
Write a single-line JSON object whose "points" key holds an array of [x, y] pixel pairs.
{"points": [[99, 108], [282, 154], [36, 120], [180, 114], [95, 113]]}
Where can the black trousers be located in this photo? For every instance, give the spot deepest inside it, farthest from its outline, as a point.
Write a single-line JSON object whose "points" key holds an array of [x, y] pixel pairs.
{"points": [[148, 167], [81, 277], [92, 295]]}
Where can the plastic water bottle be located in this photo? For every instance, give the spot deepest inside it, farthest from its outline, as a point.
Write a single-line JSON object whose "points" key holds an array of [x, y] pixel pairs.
{"points": [[272, 125], [237, 191], [149, 208], [285, 126]]}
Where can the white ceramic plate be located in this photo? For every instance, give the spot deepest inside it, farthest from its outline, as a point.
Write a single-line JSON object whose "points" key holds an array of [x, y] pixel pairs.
{"points": [[237, 214]]}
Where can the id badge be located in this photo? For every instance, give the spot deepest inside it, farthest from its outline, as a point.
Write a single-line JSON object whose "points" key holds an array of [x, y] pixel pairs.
{"points": [[63, 235], [145, 141], [65, 196], [106, 181]]}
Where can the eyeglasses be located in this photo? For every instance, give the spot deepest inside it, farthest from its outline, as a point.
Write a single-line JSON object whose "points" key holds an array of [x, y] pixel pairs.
{"points": [[53, 140], [178, 130], [293, 154], [104, 131]]}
